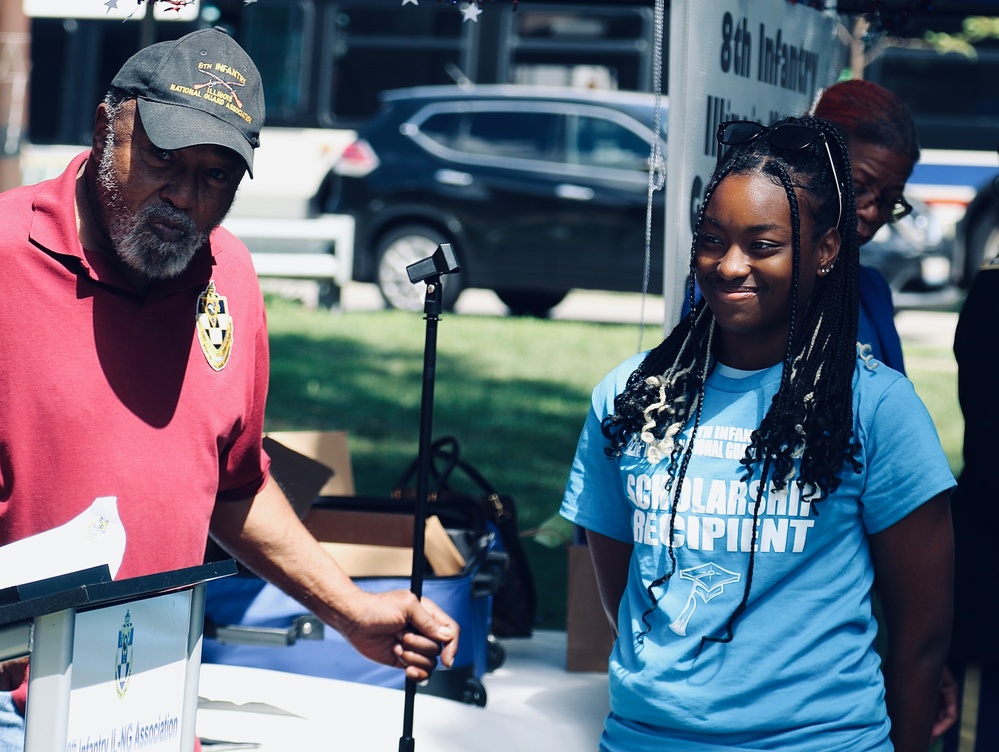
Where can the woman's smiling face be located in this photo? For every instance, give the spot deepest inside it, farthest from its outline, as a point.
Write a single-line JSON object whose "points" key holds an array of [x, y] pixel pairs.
{"points": [[744, 267]]}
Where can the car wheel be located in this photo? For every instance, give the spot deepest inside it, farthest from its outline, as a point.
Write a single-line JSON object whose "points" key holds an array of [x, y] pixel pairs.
{"points": [[530, 302], [983, 243], [401, 247]]}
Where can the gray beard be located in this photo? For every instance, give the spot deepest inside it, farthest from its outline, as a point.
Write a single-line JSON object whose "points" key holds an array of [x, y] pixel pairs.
{"points": [[132, 237]]}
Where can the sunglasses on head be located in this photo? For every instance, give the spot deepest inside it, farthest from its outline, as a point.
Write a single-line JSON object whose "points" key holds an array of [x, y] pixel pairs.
{"points": [[786, 136]]}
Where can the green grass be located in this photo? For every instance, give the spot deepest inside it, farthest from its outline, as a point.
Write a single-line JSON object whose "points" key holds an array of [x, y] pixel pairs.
{"points": [[514, 391], [933, 372]]}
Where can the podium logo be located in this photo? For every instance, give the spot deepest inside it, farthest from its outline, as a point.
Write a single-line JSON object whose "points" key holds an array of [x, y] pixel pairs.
{"points": [[123, 662]]}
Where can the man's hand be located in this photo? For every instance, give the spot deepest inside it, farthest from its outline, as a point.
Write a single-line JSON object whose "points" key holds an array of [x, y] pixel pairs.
{"points": [[13, 674], [392, 628], [395, 629]]}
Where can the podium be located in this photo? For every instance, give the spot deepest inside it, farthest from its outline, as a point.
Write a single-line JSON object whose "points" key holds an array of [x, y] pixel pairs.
{"points": [[114, 666]]}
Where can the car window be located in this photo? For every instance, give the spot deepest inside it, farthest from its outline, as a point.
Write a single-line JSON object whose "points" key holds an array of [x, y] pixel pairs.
{"points": [[512, 135], [442, 127], [597, 142]]}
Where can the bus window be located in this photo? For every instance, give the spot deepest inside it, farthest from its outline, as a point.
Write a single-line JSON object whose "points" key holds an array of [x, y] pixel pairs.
{"points": [[274, 34], [73, 62], [953, 98], [598, 48], [324, 63], [581, 25], [955, 105], [373, 47]]}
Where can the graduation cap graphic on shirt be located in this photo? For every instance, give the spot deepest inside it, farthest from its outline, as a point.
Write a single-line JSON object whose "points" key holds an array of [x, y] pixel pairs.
{"points": [[708, 581]]}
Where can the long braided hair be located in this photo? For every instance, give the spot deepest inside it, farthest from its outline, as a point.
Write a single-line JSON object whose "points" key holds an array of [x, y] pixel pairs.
{"points": [[810, 420]]}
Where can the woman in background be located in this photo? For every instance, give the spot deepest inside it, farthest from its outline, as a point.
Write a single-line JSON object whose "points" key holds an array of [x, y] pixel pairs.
{"points": [[884, 148], [881, 137]]}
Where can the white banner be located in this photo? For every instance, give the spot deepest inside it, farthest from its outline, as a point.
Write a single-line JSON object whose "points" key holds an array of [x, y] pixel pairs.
{"points": [[113, 10], [732, 60], [129, 676]]}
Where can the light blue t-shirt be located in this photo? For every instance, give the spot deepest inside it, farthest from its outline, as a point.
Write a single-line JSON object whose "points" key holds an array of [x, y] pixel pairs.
{"points": [[801, 673]]}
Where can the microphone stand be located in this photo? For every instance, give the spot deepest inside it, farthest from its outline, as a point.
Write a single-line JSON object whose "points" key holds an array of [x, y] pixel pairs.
{"points": [[429, 270]]}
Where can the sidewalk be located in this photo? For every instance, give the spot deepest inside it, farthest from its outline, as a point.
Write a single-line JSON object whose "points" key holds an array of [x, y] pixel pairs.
{"points": [[613, 307], [917, 328], [926, 328]]}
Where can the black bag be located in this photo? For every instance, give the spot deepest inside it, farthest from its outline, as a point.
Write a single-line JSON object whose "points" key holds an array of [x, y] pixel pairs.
{"points": [[514, 602]]}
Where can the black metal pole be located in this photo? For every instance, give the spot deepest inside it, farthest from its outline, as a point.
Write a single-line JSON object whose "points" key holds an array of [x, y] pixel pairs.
{"points": [[432, 309]]}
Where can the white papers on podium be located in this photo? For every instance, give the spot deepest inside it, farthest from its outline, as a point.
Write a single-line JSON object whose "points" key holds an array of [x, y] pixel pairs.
{"points": [[92, 538]]}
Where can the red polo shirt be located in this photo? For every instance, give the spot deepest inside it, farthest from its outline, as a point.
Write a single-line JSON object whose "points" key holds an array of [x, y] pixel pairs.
{"points": [[108, 392]]}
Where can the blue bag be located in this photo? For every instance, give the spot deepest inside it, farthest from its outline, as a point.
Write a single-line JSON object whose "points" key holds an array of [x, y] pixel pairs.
{"points": [[249, 622]]}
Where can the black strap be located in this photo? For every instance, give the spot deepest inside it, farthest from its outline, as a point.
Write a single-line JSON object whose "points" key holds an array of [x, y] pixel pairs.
{"points": [[514, 603], [501, 510], [445, 449], [445, 458]]}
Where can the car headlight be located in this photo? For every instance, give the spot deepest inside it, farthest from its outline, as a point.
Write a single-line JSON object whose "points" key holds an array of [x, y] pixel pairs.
{"points": [[935, 270]]}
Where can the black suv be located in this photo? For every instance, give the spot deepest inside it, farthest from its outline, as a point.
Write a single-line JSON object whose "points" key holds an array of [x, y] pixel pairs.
{"points": [[539, 190]]}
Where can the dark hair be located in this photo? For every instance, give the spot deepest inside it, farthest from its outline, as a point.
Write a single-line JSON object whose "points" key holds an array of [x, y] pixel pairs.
{"points": [[811, 416], [870, 113]]}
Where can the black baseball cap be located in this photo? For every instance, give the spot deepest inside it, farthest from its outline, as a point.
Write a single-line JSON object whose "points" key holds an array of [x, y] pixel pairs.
{"points": [[199, 89]]}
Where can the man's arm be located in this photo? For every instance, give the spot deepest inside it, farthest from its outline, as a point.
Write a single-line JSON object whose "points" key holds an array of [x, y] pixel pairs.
{"points": [[393, 628], [914, 569]]}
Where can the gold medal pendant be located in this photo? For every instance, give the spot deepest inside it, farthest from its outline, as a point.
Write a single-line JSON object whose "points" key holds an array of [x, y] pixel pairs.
{"points": [[214, 326]]}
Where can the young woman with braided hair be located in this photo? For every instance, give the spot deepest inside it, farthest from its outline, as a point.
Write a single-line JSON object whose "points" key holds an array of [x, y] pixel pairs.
{"points": [[744, 483], [884, 148]]}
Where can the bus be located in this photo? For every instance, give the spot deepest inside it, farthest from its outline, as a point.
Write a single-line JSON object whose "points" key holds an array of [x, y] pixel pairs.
{"points": [[324, 64], [955, 103]]}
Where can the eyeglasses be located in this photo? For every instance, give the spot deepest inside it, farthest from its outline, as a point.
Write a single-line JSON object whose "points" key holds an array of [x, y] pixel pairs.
{"points": [[788, 136], [892, 210]]}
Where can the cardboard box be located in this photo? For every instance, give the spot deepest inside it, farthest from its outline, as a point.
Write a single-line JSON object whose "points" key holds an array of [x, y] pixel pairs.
{"points": [[588, 633], [375, 544], [307, 464], [328, 448], [304, 464]]}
